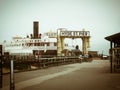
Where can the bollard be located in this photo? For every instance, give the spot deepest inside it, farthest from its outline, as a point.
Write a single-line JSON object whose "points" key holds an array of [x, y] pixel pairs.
{"points": [[11, 75]]}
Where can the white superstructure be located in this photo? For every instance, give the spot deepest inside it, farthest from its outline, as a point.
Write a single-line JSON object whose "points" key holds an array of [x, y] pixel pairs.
{"points": [[32, 42], [26, 45]]}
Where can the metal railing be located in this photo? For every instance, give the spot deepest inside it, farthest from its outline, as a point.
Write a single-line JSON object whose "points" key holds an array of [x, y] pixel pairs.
{"points": [[32, 63]]}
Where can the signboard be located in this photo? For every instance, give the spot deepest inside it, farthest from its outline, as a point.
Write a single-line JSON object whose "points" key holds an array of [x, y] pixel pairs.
{"points": [[51, 34], [0, 66], [74, 33]]}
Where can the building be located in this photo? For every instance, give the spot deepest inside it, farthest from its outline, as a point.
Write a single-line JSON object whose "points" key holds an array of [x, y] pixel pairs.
{"points": [[93, 53], [114, 52]]}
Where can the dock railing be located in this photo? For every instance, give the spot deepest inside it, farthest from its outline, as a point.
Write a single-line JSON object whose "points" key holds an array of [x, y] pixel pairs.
{"points": [[28, 63]]}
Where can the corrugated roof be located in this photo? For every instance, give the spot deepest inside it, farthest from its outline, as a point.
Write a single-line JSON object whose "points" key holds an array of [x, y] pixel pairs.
{"points": [[115, 38]]}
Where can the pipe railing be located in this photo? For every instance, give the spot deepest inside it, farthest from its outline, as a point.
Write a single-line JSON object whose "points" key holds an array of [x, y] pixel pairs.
{"points": [[26, 64]]}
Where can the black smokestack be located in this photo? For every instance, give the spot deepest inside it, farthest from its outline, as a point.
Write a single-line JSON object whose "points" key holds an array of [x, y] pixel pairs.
{"points": [[35, 30]]}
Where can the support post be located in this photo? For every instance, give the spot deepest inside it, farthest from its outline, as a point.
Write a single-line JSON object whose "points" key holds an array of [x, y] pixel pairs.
{"points": [[111, 56], [60, 43], [0, 66], [84, 45], [0, 72], [12, 75]]}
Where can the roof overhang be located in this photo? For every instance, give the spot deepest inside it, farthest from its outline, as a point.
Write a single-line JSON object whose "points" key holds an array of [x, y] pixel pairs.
{"points": [[115, 38]]}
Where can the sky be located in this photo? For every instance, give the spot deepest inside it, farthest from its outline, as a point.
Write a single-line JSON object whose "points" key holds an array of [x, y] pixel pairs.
{"points": [[100, 17]]}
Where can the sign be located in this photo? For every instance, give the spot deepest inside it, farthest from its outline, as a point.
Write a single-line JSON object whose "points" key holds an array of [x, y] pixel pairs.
{"points": [[75, 33], [51, 34]]}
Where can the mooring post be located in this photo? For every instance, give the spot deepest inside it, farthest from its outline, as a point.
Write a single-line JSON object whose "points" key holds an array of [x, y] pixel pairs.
{"points": [[12, 75]]}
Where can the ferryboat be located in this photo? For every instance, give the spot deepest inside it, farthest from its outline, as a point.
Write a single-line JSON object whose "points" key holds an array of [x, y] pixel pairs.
{"points": [[36, 43]]}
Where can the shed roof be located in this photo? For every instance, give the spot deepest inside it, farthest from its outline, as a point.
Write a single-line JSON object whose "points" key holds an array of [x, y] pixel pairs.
{"points": [[115, 38]]}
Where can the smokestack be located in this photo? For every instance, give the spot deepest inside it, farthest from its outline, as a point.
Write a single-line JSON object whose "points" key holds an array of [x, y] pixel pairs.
{"points": [[35, 29]]}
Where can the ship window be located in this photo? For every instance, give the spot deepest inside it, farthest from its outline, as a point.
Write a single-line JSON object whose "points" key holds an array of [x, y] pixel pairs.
{"points": [[41, 44], [48, 44], [36, 44], [55, 44]]}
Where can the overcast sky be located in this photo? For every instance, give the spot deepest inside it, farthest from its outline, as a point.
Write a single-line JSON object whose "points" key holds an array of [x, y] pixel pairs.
{"points": [[100, 17]]}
